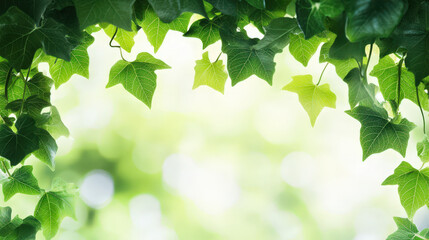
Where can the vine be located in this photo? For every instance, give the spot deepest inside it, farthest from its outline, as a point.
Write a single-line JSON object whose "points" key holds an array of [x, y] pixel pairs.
{"points": [[59, 32]]}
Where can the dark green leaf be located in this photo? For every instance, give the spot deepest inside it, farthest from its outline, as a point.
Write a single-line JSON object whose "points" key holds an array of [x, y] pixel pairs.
{"points": [[33, 8], [278, 34], [116, 12], [228, 7], [47, 148], [168, 10], [206, 30], [359, 91], [16, 146]]}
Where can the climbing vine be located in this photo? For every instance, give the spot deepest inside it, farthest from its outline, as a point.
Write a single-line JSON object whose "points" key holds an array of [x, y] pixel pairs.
{"points": [[58, 32]]}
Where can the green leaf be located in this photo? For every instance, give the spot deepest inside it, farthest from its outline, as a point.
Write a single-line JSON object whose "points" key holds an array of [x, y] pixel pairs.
{"points": [[413, 186], [206, 30], [21, 181], [21, 38], [370, 19], [16, 228], [51, 209], [302, 50], [123, 37], [260, 4], [33, 8], [47, 148], [359, 91], [378, 133], [311, 15], [210, 74], [137, 77], [387, 73], [406, 230], [32, 105], [228, 7], [423, 150], [54, 124], [168, 10], [61, 71], [278, 33], [156, 30], [244, 61], [116, 12], [16, 146], [312, 97]]}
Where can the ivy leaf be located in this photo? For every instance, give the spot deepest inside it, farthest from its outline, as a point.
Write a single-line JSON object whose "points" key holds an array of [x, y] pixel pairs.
{"points": [[278, 33], [413, 186], [20, 38], [16, 146], [360, 92], [312, 97], [16, 228], [47, 148], [423, 150], [210, 74], [342, 67], [21, 181], [228, 7], [406, 230], [53, 123], [116, 12], [137, 77], [168, 10], [33, 8], [244, 61], [370, 19], [206, 30], [387, 73], [32, 105], [378, 134], [123, 37], [61, 71], [311, 15], [302, 49], [260, 4], [156, 30], [51, 209]]}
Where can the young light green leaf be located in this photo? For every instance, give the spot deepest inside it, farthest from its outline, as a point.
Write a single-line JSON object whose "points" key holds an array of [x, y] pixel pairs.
{"points": [[312, 97], [54, 124], [156, 30], [51, 209], [406, 230], [61, 71], [123, 37], [21, 181], [206, 30], [387, 73], [302, 49], [370, 19], [210, 74], [116, 12], [21, 38], [47, 148], [277, 33], [378, 133], [16, 146], [423, 150], [413, 186], [137, 77]]}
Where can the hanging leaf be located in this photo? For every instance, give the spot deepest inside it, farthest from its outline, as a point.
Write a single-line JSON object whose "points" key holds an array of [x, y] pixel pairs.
{"points": [[21, 181], [210, 74]]}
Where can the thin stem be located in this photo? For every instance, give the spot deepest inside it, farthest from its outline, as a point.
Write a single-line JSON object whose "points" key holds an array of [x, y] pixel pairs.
{"points": [[421, 110], [114, 46], [4, 166], [25, 88], [369, 58], [217, 59], [6, 85], [321, 75], [398, 99]]}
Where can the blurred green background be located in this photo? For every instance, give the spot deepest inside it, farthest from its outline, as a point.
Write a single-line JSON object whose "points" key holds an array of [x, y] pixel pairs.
{"points": [[201, 165]]}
